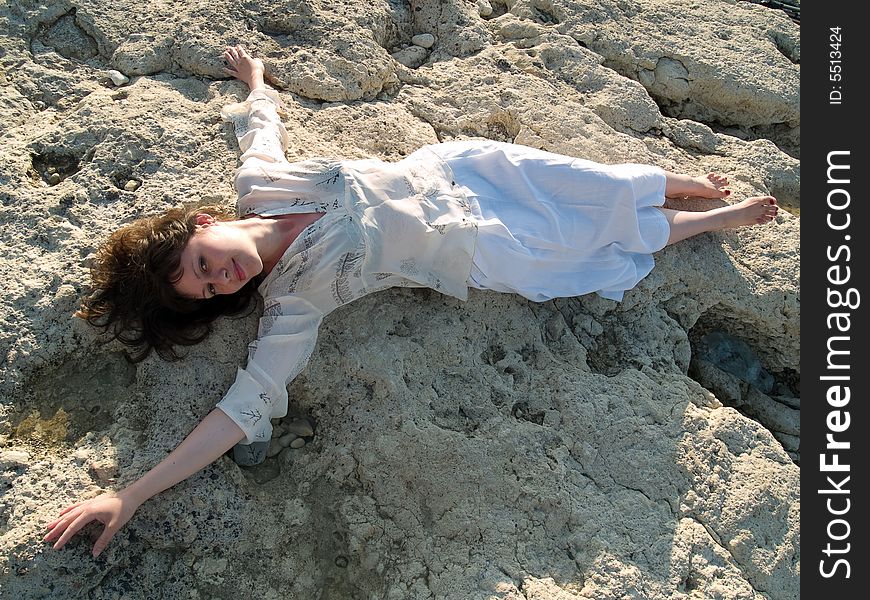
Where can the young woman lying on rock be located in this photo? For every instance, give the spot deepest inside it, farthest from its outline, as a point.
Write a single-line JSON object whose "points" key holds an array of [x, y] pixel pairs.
{"points": [[314, 235]]}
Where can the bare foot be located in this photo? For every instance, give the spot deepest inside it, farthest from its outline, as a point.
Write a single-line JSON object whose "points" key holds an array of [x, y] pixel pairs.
{"points": [[757, 210], [711, 185], [244, 67]]}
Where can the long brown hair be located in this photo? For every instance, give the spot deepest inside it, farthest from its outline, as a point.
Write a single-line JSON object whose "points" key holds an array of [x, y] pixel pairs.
{"points": [[133, 297]]}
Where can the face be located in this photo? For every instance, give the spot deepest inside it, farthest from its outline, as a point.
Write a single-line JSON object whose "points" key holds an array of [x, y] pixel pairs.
{"points": [[220, 258]]}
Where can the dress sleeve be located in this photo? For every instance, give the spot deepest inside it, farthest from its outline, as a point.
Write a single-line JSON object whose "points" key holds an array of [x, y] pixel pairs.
{"points": [[258, 126], [286, 339]]}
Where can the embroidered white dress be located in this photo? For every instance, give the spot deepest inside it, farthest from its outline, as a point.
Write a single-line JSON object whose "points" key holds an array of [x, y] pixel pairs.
{"points": [[473, 213]]}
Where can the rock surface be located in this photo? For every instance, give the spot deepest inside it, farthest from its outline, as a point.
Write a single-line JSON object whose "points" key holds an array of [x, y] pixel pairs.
{"points": [[496, 448]]}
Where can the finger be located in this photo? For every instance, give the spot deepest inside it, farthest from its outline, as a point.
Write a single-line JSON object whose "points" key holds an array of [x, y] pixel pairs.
{"points": [[54, 533], [58, 530], [60, 526], [64, 512], [82, 520], [71, 506], [52, 525], [55, 522], [103, 540]]}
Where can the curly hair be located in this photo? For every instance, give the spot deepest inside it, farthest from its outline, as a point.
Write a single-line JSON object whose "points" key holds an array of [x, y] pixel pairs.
{"points": [[133, 297]]}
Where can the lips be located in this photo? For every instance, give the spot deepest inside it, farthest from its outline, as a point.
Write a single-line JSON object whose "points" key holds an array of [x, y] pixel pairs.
{"points": [[240, 274]]}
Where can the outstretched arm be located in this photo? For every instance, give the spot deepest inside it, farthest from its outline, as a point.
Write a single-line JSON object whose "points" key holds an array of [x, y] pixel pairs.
{"points": [[216, 434]]}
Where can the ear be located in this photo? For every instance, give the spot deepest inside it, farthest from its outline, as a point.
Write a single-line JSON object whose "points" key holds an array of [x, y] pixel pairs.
{"points": [[204, 220]]}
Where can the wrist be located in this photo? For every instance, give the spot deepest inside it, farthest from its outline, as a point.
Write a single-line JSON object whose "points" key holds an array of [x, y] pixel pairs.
{"points": [[257, 81], [133, 493]]}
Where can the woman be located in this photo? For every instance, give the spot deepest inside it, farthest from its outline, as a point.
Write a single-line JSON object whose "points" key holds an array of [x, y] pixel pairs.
{"points": [[318, 234]]}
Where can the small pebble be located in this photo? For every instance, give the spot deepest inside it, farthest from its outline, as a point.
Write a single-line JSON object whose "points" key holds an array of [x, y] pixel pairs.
{"points": [[424, 40], [132, 185], [297, 443], [53, 179], [274, 448], [117, 77], [103, 469], [412, 56], [301, 427], [278, 431], [287, 439], [484, 8]]}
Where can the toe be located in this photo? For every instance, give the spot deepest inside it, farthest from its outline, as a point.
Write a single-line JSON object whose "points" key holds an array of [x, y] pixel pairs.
{"points": [[717, 179]]}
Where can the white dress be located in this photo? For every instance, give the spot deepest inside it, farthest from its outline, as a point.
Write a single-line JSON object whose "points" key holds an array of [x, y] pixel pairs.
{"points": [[554, 226], [471, 213]]}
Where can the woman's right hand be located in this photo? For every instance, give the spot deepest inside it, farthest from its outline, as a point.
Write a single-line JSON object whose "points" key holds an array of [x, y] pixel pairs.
{"points": [[206, 443], [111, 509]]}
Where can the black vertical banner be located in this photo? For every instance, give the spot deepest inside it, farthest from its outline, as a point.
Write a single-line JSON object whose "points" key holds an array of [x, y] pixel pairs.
{"points": [[835, 228]]}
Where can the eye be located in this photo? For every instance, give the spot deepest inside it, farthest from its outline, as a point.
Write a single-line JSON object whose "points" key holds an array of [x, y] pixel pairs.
{"points": [[202, 265]]}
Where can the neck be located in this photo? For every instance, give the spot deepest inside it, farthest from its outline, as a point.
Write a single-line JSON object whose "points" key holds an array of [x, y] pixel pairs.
{"points": [[278, 234]]}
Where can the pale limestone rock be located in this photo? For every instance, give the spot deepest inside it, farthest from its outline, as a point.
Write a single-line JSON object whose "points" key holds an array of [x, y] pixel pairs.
{"points": [[555, 450], [10, 459], [144, 53], [690, 57]]}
